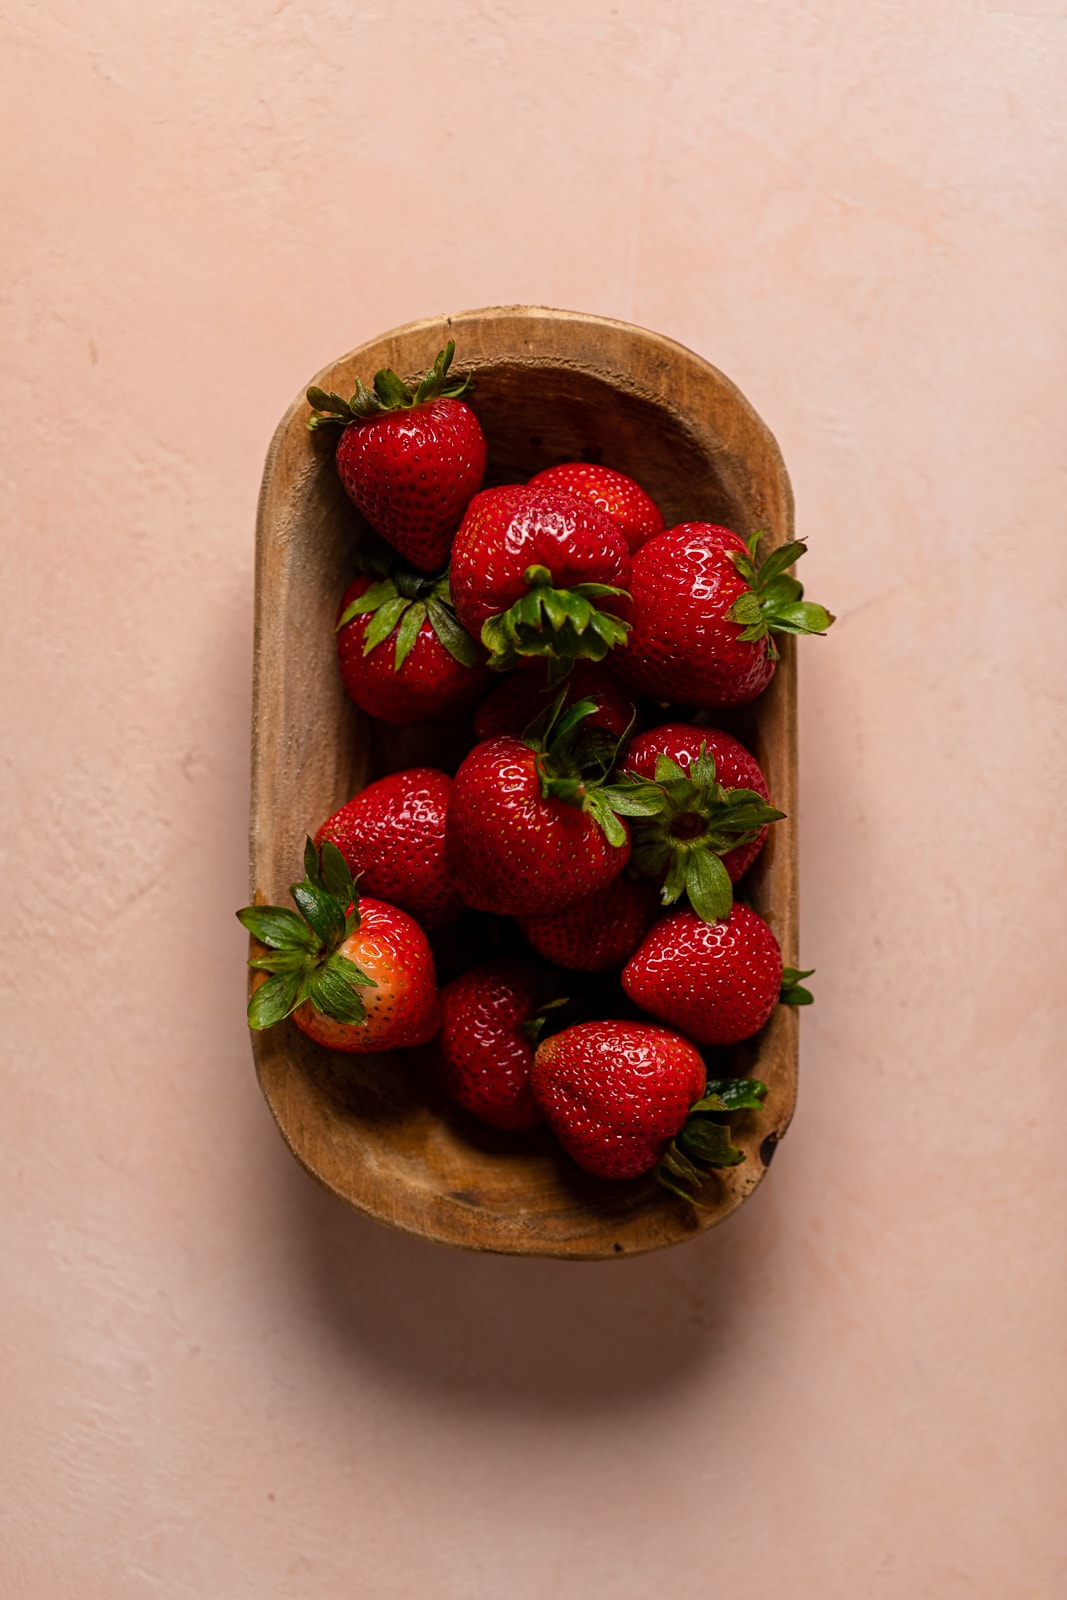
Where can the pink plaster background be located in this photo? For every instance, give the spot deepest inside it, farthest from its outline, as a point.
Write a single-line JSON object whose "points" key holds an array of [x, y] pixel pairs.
{"points": [[217, 1383]]}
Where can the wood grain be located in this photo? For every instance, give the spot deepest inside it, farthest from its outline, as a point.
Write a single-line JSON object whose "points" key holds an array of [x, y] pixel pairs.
{"points": [[551, 386]]}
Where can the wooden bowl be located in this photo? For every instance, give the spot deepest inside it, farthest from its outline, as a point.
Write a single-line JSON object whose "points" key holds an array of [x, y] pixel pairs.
{"points": [[551, 386]]}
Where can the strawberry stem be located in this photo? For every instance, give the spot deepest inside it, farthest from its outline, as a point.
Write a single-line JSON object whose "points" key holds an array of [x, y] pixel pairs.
{"points": [[303, 953], [389, 393], [703, 1143], [399, 604], [573, 763], [560, 624], [697, 822], [775, 603]]}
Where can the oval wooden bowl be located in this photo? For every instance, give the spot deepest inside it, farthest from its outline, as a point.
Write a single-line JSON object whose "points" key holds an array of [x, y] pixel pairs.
{"points": [[551, 386]]}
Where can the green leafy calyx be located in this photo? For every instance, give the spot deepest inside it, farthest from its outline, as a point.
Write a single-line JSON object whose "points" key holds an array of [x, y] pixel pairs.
{"points": [[389, 393], [399, 603], [560, 624], [793, 992], [704, 1142], [682, 841], [573, 762], [775, 602], [303, 954]]}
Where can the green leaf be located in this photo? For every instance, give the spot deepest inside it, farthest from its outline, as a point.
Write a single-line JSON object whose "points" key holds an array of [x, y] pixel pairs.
{"points": [[707, 883], [668, 770], [322, 911], [637, 800], [383, 622], [369, 600], [408, 631], [274, 1000], [332, 991], [709, 1142], [600, 810], [571, 718], [733, 1094], [337, 874], [312, 867], [777, 562], [350, 972], [792, 992], [455, 639], [391, 391], [791, 975], [744, 565], [745, 609], [781, 592], [804, 616], [702, 770], [278, 927], [281, 961], [674, 882]]}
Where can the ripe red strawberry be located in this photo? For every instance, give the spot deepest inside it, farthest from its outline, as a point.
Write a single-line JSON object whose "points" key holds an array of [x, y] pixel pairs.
{"points": [[530, 824], [702, 615], [393, 833], [528, 565], [626, 1097], [489, 1028], [354, 975], [718, 982], [624, 501], [714, 816], [403, 656], [410, 460], [598, 933], [519, 697]]}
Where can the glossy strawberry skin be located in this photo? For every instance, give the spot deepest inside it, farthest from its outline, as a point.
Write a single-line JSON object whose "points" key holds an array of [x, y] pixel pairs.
{"points": [[485, 1054], [430, 684], [717, 982], [681, 645], [735, 768], [519, 697], [599, 933], [633, 511], [403, 1010], [616, 1093], [511, 851], [411, 472], [507, 530], [393, 833]]}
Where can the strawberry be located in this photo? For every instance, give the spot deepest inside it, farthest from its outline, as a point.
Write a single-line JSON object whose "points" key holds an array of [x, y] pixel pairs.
{"points": [[625, 502], [489, 1028], [626, 1097], [531, 825], [520, 697], [410, 460], [714, 817], [702, 614], [403, 656], [718, 982], [598, 933], [354, 975], [527, 566], [392, 835]]}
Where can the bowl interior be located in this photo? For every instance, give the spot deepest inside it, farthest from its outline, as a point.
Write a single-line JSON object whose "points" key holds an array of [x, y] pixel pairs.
{"points": [[550, 388]]}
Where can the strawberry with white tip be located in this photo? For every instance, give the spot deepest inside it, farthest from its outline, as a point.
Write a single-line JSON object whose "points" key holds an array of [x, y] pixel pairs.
{"points": [[355, 975]]}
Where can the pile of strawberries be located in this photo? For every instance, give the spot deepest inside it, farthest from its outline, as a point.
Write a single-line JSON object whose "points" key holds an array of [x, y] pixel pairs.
{"points": [[575, 876]]}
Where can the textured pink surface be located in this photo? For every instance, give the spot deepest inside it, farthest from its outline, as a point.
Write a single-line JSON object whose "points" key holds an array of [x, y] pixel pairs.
{"points": [[219, 1383]]}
